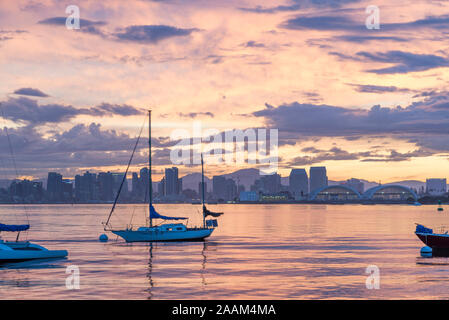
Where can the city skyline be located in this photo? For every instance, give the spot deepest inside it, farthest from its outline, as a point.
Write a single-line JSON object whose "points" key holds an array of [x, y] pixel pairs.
{"points": [[102, 187], [376, 110]]}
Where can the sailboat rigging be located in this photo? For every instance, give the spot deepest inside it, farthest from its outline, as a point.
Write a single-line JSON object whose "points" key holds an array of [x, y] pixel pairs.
{"points": [[164, 231]]}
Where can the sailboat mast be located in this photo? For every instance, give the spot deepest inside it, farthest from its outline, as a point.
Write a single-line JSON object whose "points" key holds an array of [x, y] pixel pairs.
{"points": [[202, 179], [202, 190], [150, 203]]}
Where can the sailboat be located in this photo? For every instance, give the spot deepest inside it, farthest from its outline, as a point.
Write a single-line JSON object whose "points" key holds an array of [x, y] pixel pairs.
{"points": [[20, 251], [163, 231]]}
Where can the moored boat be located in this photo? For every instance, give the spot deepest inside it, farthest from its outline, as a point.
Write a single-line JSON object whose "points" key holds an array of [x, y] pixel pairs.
{"points": [[439, 242], [19, 251], [163, 231]]}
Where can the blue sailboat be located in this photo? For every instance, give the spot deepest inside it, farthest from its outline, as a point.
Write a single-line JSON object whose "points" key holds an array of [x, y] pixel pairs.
{"points": [[163, 231]]}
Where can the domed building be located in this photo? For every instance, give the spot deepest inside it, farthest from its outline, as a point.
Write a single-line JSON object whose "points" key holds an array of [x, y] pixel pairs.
{"points": [[390, 193], [335, 193]]}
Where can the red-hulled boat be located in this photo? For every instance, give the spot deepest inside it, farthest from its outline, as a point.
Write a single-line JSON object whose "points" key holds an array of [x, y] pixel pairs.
{"points": [[439, 242]]}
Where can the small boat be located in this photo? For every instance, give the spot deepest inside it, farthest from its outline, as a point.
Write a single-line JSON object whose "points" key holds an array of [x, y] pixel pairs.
{"points": [[439, 242], [163, 231], [19, 251]]}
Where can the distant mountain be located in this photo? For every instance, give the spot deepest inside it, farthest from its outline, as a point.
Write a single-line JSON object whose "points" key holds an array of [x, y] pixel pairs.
{"points": [[367, 184], [192, 181], [244, 177], [412, 184]]}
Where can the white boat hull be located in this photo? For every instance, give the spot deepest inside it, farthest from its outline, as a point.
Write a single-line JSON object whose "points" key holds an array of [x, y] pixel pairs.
{"points": [[11, 252], [162, 236]]}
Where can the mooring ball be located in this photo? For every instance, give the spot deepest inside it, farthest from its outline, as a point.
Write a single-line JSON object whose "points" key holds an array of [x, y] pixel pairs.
{"points": [[426, 251], [103, 238]]}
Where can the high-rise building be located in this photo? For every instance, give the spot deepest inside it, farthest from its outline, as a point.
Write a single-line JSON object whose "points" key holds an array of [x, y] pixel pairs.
{"points": [[105, 186], [231, 190], [298, 183], [436, 187], [86, 187], [145, 182], [219, 187], [67, 189], [267, 184], [172, 183], [136, 191], [26, 190], [54, 186], [318, 178], [117, 181], [355, 184], [271, 183]]}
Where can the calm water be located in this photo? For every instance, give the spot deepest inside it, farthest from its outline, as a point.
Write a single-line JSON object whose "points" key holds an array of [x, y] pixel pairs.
{"points": [[258, 252]]}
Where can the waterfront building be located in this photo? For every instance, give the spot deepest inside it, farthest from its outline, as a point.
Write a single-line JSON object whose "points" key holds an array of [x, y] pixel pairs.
{"points": [[436, 187], [318, 178], [298, 183]]}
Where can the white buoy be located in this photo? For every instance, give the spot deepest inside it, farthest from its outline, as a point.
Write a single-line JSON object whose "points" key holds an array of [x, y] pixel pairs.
{"points": [[426, 252], [103, 238]]}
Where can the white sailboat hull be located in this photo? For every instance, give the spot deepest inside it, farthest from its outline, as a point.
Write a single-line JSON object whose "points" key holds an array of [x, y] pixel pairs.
{"points": [[11, 252], [156, 235]]}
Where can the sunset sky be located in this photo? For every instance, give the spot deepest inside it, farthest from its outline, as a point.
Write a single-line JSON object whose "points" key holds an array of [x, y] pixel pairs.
{"points": [[371, 104]]}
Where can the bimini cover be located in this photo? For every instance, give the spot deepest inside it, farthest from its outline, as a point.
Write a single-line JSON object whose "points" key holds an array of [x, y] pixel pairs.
{"points": [[422, 229], [155, 215], [14, 227]]}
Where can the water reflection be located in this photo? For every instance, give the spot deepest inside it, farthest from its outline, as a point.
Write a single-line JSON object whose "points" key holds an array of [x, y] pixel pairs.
{"points": [[273, 252], [150, 273], [160, 253]]}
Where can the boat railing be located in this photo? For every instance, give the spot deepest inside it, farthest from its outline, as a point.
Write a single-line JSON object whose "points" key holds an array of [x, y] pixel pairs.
{"points": [[441, 230]]}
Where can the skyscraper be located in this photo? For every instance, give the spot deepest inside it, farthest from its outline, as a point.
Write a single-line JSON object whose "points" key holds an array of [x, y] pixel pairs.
{"points": [[86, 187], [145, 182], [219, 187], [231, 190], [318, 178], [105, 186], [298, 183], [54, 186], [172, 183]]}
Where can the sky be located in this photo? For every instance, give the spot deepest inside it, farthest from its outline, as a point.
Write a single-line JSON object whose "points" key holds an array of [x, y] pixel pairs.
{"points": [[366, 103]]}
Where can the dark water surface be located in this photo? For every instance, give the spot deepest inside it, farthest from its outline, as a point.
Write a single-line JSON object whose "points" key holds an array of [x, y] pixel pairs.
{"points": [[257, 252]]}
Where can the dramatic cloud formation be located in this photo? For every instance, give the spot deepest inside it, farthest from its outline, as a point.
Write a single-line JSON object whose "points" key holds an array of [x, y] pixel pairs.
{"points": [[219, 62], [413, 123]]}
